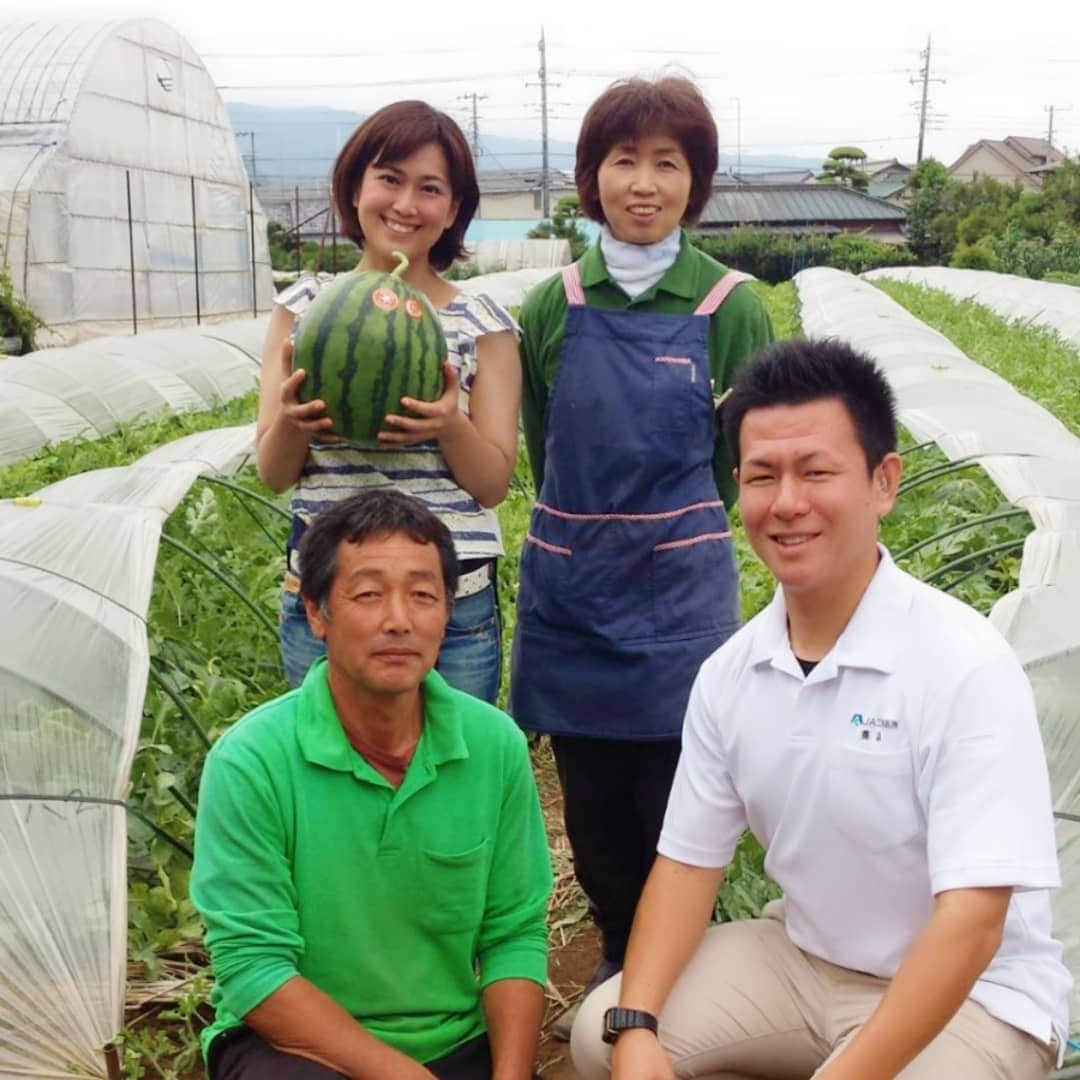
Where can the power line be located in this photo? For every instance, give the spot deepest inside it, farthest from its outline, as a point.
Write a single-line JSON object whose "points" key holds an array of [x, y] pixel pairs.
{"points": [[434, 51], [485, 152], [426, 81]]}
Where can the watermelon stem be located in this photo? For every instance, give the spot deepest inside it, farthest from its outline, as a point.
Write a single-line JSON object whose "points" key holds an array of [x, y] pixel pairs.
{"points": [[403, 263]]}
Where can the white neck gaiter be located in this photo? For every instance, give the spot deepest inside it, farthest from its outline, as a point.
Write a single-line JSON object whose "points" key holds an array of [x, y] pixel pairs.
{"points": [[637, 267]]}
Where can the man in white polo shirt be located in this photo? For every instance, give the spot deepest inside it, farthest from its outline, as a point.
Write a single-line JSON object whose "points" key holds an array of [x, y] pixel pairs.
{"points": [[880, 739]]}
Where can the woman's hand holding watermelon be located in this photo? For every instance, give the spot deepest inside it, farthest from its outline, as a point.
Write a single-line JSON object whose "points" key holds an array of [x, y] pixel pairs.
{"points": [[285, 425], [305, 417], [438, 419]]}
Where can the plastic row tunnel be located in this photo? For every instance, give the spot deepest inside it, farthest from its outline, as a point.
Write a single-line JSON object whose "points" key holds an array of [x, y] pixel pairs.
{"points": [[77, 568], [1049, 304]]}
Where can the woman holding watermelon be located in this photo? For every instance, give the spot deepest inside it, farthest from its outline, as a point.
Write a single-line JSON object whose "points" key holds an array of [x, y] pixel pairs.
{"points": [[628, 578], [405, 182]]}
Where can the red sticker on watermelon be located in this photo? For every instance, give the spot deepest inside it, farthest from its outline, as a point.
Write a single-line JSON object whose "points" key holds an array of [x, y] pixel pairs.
{"points": [[385, 299], [413, 308]]}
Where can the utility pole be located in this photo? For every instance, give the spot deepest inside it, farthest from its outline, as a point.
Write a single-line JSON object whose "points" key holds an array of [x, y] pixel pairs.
{"points": [[924, 75], [251, 136], [545, 179], [738, 137], [475, 133], [545, 197], [1050, 129]]}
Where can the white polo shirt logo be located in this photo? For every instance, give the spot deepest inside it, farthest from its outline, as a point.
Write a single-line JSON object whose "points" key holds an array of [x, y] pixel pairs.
{"points": [[871, 728]]}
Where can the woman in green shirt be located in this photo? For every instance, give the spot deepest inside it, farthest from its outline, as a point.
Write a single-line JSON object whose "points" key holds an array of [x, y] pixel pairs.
{"points": [[628, 579]]}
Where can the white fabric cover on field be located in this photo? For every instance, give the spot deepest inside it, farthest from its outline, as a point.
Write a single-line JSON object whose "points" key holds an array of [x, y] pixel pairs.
{"points": [[87, 389], [506, 287], [493, 256], [1035, 461], [1049, 304], [83, 107], [76, 572]]}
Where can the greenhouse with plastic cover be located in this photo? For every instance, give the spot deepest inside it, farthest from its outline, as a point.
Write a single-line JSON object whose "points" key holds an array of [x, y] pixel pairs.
{"points": [[124, 203]]}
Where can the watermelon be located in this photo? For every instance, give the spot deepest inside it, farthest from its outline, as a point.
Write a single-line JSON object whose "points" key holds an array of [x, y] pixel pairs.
{"points": [[368, 340]]}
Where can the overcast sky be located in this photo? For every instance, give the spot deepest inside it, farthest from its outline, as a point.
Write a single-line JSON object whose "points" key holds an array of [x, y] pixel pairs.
{"points": [[782, 77]]}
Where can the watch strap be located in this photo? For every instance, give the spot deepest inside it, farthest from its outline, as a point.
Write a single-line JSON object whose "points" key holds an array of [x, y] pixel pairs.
{"points": [[618, 1020]]}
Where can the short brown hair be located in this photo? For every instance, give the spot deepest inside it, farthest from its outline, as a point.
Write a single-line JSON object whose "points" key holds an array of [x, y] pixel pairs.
{"points": [[391, 135], [630, 108]]}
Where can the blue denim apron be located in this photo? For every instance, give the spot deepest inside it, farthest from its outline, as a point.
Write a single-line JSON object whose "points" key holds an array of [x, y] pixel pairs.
{"points": [[628, 578]]}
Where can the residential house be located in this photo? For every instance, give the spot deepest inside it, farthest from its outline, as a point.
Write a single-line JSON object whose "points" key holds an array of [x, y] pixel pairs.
{"points": [[1016, 157], [517, 194], [802, 209], [888, 178]]}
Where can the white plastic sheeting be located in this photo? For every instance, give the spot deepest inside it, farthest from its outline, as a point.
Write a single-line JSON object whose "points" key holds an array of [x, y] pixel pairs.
{"points": [[1048, 304], [493, 256], [57, 394], [87, 389], [1035, 461], [507, 287], [84, 106], [76, 572]]}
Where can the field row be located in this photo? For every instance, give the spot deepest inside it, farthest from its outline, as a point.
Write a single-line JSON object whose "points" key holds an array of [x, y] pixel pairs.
{"points": [[212, 615]]}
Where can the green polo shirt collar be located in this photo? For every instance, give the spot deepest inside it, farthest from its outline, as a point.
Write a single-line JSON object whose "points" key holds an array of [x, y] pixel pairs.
{"points": [[681, 278], [323, 740]]}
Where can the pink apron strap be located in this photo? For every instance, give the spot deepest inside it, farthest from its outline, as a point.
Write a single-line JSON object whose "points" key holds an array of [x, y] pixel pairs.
{"points": [[571, 280], [721, 291]]}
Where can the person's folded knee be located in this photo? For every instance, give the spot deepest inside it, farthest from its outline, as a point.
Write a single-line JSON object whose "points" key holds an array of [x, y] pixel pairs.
{"points": [[590, 1054]]}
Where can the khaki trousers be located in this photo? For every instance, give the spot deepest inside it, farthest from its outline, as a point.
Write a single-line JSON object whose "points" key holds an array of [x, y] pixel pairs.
{"points": [[751, 1006]]}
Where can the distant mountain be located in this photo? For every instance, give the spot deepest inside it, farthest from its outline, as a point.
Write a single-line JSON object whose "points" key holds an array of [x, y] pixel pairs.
{"points": [[293, 144]]}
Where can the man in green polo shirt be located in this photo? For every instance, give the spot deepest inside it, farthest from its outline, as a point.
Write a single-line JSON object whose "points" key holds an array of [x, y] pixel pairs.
{"points": [[370, 858]]}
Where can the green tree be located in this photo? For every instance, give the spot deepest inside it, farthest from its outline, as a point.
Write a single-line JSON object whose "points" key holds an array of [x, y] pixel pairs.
{"points": [[17, 318], [982, 207], [1018, 253], [1061, 192], [282, 244], [844, 166], [857, 252], [977, 256], [930, 227], [563, 225]]}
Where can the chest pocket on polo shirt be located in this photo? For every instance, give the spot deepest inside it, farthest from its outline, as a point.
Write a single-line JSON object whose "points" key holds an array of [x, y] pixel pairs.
{"points": [[872, 797], [454, 888]]}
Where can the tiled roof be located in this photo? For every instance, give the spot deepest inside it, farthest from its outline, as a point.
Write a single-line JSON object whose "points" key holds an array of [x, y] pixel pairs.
{"points": [[502, 181], [763, 176], [882, 189], [872, 168], [796, 204], [1039, 151]]}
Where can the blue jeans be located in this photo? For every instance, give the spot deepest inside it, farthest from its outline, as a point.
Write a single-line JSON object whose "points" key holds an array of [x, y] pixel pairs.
{"points": [[470, 658]]}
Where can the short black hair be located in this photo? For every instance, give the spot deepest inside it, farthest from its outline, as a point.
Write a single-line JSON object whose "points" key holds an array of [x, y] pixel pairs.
{"points": [[799, 370], [381, 512]]}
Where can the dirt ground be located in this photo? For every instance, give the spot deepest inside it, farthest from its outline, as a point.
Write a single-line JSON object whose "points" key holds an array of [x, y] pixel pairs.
{"points": [[569, 969]]}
